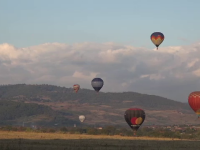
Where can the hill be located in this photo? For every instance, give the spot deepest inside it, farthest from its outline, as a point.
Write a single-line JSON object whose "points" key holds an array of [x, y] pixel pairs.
{"points": [[19, 113], [99, 109]]}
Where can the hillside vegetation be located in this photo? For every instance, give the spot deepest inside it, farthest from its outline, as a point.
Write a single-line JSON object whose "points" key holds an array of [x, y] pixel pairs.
{"points": [[50, 93], [59, 105]]}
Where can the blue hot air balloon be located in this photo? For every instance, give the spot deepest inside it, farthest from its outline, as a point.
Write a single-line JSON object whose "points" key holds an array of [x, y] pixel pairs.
{"points": [[97, 84]]}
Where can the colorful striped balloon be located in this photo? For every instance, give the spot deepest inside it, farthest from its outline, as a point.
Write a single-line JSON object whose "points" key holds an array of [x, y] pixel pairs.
{"points": [[76, 87], [157, 38]]}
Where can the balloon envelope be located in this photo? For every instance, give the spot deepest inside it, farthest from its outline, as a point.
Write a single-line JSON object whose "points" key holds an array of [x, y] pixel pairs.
{"points": [[194, 101], [157, 38], [134, 117], [97, 84], [76, 87], [82, 118]]}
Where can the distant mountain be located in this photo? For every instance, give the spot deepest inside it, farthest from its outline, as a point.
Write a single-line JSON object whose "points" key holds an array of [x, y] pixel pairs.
{"points": [[102, 108]]}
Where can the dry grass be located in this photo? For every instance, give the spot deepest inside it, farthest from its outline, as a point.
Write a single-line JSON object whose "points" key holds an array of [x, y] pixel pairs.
{"points": [[33, 135], [60, 141]]}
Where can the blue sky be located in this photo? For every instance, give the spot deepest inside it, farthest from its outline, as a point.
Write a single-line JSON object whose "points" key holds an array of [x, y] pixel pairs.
{"points": [[172, 72], [33, 22]]}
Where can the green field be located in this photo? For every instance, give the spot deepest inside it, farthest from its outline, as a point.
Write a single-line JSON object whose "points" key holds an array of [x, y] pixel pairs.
{"points": [[97, 144]]}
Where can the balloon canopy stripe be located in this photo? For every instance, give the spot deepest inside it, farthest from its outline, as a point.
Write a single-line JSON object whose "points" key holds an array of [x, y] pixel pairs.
{"points": [[157, 37]]}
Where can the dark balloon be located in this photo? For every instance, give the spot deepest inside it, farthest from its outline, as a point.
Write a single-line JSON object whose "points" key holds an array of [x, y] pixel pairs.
{"points": [[97, 84], [157, 38], [134, 117]]}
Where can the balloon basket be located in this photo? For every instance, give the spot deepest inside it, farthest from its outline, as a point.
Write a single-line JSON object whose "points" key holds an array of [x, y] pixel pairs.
{"points": [[134, 134]]}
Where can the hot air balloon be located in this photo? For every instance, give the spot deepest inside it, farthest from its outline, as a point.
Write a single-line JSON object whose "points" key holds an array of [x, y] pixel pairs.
{"points": [[134, 118], [157, 38], [194, 102], [97, 84], [76, 87], [81, 118]]}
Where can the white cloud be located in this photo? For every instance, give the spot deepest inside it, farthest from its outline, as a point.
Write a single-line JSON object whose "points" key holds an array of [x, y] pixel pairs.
{"points": [[80, 75], [172, 72]]}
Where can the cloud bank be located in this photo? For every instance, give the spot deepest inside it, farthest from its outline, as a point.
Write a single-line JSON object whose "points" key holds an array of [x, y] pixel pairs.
{"points": [[172, 72]]}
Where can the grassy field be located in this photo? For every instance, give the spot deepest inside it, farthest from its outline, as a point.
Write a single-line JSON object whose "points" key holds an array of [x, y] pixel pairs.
{"points": [[60, 141]]}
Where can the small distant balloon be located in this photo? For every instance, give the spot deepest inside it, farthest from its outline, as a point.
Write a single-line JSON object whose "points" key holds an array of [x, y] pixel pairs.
{"points": [[82, 118], [76, 87], [194, 102], [157, 38], [134, 118], [97, 84]]}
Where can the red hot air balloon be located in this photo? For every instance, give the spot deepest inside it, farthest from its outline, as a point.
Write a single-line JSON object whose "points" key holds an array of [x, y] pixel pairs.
{"points": [[76, 87], [157, 38], [194, 102]]}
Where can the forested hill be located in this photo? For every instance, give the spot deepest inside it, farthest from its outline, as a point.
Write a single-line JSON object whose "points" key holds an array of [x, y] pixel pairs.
{"points": [[50, 93], [99, 108]]}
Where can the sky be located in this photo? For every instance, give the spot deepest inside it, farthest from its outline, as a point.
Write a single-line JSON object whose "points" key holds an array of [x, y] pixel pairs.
{"points": [[63, 42]]}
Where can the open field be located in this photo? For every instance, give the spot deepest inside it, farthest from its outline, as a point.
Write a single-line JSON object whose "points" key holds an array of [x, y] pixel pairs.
{"points": [[60, 141], [52, 136]]}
